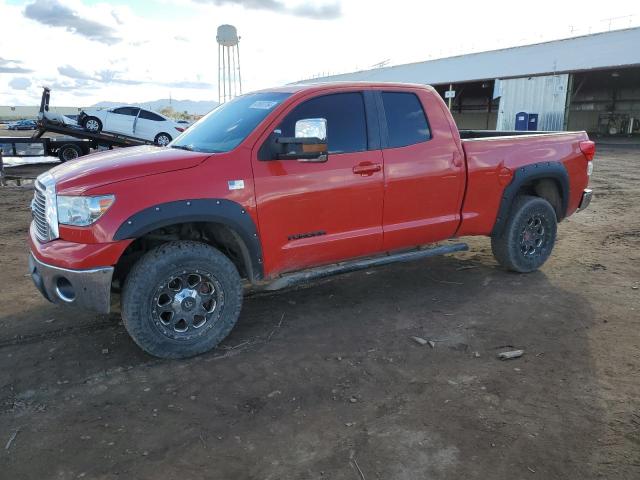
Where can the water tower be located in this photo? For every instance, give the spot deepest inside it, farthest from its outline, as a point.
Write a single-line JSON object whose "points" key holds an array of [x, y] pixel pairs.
{"points": [[229, 79]]}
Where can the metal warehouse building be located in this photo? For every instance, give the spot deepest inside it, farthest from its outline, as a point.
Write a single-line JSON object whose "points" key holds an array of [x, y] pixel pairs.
{"points": [[588, 83]]}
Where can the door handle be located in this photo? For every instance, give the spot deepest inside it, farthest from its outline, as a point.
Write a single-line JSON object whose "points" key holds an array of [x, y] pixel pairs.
{"points": [[367, 168]]}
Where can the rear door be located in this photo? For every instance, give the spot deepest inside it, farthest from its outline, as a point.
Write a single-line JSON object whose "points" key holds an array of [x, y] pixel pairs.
{"points": [[149, 124], [424, 169], [121, 120], [320, 213]]}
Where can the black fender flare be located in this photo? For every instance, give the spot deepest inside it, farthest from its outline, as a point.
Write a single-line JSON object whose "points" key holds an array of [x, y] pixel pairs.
{"points": [[555, 171], [226, 212]]}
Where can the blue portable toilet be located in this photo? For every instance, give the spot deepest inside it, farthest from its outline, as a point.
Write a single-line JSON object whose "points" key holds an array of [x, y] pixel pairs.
{"points": [[533, 122], [522, 121]]}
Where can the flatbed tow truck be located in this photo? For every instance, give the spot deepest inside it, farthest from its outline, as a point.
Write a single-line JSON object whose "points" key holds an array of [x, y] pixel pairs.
{"points": [[74, 142]]}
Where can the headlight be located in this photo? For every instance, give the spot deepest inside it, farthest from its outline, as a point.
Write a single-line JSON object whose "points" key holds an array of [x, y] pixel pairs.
{"points": [[82, 211]]}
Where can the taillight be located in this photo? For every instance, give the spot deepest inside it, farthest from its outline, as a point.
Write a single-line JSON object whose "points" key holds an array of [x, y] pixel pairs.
{"points": [[588, 148], [180, 129]]}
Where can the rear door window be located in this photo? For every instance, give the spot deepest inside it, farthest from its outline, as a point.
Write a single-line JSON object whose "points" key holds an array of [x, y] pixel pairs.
{"points": [[147, 115], [406, 120], [345, 115]]}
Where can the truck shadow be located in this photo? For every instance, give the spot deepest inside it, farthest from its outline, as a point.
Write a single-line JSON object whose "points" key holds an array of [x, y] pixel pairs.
{"points": [[337, 353]]}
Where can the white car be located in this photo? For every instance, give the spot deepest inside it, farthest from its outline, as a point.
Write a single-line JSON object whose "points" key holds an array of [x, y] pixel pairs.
{"points": [[133, 122]]}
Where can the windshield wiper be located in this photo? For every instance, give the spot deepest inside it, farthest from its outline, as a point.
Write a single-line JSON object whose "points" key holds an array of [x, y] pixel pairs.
{"points": [[189, 148]]}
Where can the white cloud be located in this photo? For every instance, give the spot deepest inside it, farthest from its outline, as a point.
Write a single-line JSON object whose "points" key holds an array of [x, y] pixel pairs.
{"points": [[12, 66], [326, 11], [72, 72], [52, 13]]}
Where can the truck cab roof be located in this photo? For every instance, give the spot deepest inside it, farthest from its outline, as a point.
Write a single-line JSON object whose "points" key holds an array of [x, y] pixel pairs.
{"points": [[319, 86]]}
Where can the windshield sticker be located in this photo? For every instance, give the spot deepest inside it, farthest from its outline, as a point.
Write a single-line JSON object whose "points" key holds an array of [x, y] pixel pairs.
{"points": [[263, 104], [236, 184]]}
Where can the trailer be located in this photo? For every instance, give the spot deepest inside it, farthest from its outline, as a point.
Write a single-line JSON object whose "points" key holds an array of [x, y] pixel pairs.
{"points": [[73, 141]]}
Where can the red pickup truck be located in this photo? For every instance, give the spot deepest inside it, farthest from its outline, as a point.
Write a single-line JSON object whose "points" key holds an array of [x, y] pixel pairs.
{"points": [[285, 185]]}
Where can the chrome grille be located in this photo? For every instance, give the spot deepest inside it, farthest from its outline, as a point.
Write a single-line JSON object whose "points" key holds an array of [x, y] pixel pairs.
{"points": [[38, 208]]}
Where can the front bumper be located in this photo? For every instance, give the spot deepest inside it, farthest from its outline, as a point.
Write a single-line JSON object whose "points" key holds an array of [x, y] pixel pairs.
{"points": [[587, 195], [89, 289]]}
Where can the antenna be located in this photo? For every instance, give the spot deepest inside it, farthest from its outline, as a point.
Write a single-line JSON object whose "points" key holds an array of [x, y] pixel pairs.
{"points": [[229, 77]]}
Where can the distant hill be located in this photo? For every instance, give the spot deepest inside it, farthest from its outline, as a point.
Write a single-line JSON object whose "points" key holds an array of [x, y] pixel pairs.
{"points": [[193, 107]]}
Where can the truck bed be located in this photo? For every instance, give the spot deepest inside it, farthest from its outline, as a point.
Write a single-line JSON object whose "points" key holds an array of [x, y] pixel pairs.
{"points": [[492, 160]]}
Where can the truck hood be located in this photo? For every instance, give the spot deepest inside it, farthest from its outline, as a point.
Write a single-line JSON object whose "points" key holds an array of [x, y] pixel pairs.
{"points": [[84, 173]]}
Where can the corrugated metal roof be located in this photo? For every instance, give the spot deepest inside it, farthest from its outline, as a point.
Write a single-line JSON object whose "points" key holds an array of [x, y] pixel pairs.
{"points": [[589, 52]]}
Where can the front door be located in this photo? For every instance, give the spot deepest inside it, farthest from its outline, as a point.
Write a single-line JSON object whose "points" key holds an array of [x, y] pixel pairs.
{"points": [[321, 213], [122, 120]]}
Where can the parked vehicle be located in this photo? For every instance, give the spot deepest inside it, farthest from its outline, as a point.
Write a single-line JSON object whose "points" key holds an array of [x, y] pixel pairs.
{"points": [[286, 185], [131, 121], [22, 125], [184, 123]]}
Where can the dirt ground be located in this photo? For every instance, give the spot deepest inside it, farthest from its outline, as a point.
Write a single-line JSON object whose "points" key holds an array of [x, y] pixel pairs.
{"points": [[325, 381]]}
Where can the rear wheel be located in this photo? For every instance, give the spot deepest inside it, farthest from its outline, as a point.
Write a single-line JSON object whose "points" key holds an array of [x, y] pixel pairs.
{"points": [[181, 299], [162, 139], [528, 237], [69, 152], [92, 124]]}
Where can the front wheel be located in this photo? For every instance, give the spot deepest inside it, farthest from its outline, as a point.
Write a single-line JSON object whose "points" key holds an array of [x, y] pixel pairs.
{"points": [[92, 124], [528, 237], [181, 299]]}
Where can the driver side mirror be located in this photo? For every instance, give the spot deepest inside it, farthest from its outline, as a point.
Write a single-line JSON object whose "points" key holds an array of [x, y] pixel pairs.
{"points": [[309, 143]]}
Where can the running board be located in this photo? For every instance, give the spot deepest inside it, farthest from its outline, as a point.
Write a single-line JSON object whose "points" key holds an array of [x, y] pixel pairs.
{"points": [[291, 279]]}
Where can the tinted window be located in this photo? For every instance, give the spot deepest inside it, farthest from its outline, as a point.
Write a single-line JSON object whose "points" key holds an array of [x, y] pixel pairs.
{"points": [[406, 120], [133, 111], [224, 128], [150, 116], [346, 125]]}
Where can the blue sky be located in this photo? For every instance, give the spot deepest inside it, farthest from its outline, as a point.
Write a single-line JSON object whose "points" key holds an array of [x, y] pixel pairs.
{"points": [[134, 51]]}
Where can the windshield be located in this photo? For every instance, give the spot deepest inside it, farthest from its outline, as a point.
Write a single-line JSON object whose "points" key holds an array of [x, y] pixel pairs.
{"points": [[224, 128]]}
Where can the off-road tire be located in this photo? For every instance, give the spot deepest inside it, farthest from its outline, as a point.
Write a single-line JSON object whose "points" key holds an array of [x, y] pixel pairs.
{"points": [[532, 220], [139, 301]]}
